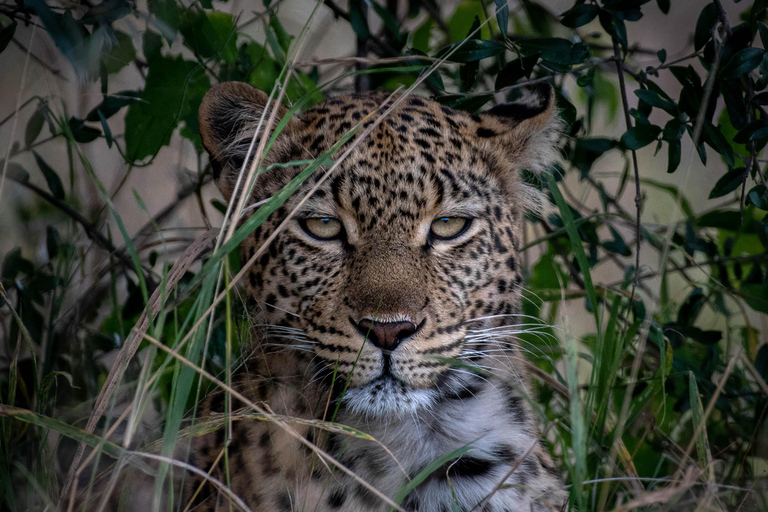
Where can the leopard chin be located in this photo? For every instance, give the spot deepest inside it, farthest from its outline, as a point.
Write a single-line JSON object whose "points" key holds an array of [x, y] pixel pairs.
{"points": [[388, 397]]}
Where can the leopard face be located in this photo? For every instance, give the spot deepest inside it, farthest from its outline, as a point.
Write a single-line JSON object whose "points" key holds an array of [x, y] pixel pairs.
{"points": [[376, 284]]}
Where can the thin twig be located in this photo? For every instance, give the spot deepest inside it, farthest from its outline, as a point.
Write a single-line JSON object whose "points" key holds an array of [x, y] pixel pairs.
{"points": [[638, 194]]}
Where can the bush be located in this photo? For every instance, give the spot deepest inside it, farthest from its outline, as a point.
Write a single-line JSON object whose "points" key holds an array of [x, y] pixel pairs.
{"points": [[662, 393]]}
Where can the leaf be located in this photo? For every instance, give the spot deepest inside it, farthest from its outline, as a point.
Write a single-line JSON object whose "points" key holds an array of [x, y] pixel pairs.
{"points": [[82, 133], [502, 16], [654, 99], [422, 35], [34, 126], [640, 136], [210, 34], [742, 62], [515, 70], [556, 50], [174, 90], [718, 142], [53, 180], [755, 130], [358, 21], [105, 127], [758, 196], [6, 34], [390, 21], [704, 25], [471, 50], [461, 20], [110, 105], [663, 5], [120, 55], [729, 182], [167, 14], [756, 296], [579, 15], [468, 72], [62, 428], [52, 241]]}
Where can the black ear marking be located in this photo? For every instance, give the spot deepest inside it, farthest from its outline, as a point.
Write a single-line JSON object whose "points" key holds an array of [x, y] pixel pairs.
{"points": [[537, 102]]}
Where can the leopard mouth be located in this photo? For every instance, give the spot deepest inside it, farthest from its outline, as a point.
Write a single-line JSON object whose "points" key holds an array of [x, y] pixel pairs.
{"points": [[387, 395]]}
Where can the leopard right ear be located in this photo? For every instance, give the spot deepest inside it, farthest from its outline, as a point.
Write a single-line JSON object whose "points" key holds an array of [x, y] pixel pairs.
{"points": [[229, 116]]}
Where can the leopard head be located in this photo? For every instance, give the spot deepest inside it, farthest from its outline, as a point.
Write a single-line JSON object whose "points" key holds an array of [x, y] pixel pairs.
{"points": [[384, 275]]}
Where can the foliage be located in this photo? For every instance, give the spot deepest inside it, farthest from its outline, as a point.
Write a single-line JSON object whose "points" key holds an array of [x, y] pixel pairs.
{"points": [[673, 359]]}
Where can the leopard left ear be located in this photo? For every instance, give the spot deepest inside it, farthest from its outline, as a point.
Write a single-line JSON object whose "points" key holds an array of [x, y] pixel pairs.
{"points": [[526, 131]]}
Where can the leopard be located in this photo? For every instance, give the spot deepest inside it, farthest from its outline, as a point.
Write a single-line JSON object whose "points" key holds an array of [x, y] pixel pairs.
{"points": [[385, 294]]}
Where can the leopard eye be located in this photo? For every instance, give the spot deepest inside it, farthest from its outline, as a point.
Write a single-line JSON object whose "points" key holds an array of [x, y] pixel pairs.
{"points": [[448, 228], [322, 228]]}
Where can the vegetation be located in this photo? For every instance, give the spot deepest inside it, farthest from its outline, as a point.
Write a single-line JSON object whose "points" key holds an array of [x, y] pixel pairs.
{"points": [[661, 404]]}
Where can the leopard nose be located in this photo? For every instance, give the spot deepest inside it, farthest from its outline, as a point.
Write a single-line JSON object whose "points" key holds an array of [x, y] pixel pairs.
{"points": [[386, 335]]}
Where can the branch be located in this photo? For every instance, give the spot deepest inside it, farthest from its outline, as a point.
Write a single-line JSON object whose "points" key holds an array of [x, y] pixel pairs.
{"points": [[638, 196]]}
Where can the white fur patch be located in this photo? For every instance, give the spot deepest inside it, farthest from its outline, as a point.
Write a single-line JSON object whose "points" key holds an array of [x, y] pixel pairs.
{"points": [[387, 397]]}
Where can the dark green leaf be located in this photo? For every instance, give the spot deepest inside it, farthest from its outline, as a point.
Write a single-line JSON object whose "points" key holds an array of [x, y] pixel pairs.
{"points": [[210, 34], [13, 263], [110, 105], [756, 130], [758, 196], [704, 25], [471, 50], [728, 183], [756, 296], [586, 78], [358, 21], [168, 14], [663, 5], [6, 34], [53, 180], [579, 15], [662, 55], [556, 50], [151, 45], [120, 55], [390, 21], [640, 136], [742, 62], [515, 70], [82, 133], [52, 241], [34, 126], [502, 16], [654, 99], [763, 34], [174, 90], [717, 141], [468, 72], [673, 130], [105, 127], [283, 38], [674, 154], [617, 245]]}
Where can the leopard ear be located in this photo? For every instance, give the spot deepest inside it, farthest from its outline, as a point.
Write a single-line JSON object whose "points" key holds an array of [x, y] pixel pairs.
{"points": [[229, 116], [524, 132]]}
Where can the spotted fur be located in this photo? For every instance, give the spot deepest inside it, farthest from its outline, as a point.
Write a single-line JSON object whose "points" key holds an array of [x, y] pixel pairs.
{"points": [[310, 357]]}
